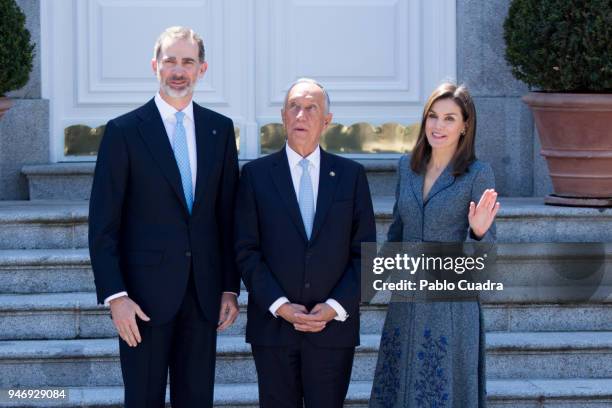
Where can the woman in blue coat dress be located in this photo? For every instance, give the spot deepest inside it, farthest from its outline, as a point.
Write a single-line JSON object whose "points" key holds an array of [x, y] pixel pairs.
{"points": [[432, 352]]}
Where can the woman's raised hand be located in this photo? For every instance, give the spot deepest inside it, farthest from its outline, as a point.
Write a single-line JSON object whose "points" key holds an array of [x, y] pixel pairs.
{"points": [[481, 215]]}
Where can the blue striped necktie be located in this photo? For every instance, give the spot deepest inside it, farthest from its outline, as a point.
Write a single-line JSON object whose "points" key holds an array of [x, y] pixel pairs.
{"points": [[181, 154], [306, 198]]}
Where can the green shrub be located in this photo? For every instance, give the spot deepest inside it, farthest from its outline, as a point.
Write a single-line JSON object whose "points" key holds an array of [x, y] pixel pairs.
{"points": [[561, 45], [16, 51]]}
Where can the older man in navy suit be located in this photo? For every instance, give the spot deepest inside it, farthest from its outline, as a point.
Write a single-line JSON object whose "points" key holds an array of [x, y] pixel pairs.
{"points": [[160, 232], [301, 217]]}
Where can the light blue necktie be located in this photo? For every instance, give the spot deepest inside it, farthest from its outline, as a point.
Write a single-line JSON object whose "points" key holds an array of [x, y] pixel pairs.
{"points": [[306, 198], [181, 154]]}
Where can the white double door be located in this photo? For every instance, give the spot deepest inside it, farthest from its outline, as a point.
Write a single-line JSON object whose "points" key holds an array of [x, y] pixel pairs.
{"points": [[379, 59]]}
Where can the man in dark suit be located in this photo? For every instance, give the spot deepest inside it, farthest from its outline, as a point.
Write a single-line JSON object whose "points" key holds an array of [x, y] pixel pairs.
{"points": [[301, 217], [160, 234]]}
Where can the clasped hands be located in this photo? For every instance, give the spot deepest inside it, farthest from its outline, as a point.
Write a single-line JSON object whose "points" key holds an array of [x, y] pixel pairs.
{"points": [[304, 321]]}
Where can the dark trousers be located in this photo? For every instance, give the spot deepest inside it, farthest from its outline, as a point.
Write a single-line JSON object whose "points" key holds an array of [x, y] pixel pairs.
{"points": [[292, 376], [186, 346]]}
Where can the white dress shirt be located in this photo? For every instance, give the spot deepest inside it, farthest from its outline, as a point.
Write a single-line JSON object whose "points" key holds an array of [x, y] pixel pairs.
{"points": [[314, 168], [167, 113]]}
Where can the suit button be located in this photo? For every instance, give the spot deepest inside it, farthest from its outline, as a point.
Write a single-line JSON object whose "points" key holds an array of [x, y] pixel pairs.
{"points": [[188, 254], [307, 285]]}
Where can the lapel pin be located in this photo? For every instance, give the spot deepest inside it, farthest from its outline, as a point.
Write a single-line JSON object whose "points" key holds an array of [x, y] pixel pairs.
{"points": [[214, 131], [332, 173]]}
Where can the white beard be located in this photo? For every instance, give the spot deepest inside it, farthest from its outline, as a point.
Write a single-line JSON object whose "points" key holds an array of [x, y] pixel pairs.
{"points": [[176, 93]]}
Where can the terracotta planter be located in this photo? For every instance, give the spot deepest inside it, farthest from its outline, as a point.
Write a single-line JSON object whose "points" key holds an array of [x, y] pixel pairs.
{"points": [[576, 136], [5, 105]]}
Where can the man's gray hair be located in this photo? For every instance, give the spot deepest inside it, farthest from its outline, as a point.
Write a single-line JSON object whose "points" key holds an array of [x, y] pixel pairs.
{"points": [[309, 81], [183, 33]]}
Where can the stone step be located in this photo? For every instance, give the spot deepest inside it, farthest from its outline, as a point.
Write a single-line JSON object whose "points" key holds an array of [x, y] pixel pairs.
{"points": [[63, 224], [43, 224], [554, 355], [45, 271], [59, 181], [76, 315], [72, 181], [226, 396], [548, 317], [527, 219], [514, 355], [547, 393], [540, 393], [70, 316], [530, 272]]}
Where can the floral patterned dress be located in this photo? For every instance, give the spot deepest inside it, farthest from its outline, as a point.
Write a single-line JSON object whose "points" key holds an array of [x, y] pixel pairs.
{"points": [[432, 352]]}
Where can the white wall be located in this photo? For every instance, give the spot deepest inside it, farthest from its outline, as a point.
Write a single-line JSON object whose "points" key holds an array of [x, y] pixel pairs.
{"points": [[379, 59]]}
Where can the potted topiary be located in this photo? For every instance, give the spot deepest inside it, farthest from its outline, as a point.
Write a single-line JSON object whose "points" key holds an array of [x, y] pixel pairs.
{"points": [[563, 49], [16, 51]]}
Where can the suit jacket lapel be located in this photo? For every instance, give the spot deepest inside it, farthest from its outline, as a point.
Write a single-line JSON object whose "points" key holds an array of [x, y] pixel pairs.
{"points": [[328, 179], [443, 181], [281, 176], [206, 146], [153, 133], [416, 184]]}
